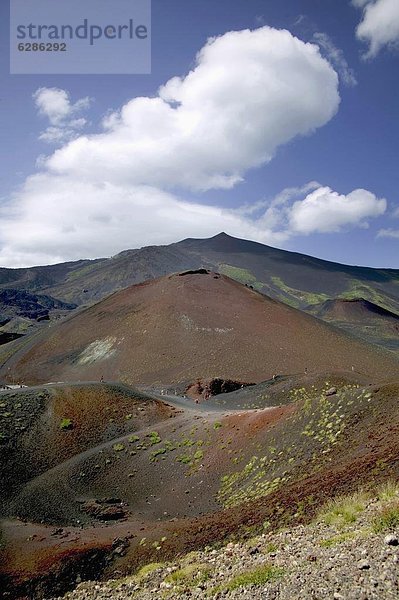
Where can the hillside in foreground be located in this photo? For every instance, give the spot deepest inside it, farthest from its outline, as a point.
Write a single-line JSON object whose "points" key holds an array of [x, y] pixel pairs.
{"points": [[349, 551], [101, 479]]}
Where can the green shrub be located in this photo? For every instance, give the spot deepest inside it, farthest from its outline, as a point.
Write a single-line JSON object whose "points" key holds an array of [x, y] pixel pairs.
{"points": [[118, 447], [388, 491], [66, 424], [154, 438]]}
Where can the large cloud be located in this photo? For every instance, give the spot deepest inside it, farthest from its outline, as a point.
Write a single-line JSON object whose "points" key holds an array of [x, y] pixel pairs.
{"points": [[250, 92], [85, 219], [379, 26]]}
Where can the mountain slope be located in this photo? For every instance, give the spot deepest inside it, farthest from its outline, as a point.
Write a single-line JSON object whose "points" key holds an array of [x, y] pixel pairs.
{"points": [[363, 319], [301, 281], [289, 276], [189, 325]]}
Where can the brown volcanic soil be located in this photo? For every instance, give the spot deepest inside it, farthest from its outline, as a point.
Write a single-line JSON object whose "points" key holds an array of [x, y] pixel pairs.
{"points": [[195, 478], [198, 325], [32, 439]]}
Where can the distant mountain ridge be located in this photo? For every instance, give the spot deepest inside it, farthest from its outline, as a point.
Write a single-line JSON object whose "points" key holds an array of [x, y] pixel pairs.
{"points": [[261, 265]]}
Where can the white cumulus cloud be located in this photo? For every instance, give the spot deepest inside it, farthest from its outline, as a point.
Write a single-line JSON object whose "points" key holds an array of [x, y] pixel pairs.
{"points": [[379, 26], [326, 211], [249, 93], [55, 104]]}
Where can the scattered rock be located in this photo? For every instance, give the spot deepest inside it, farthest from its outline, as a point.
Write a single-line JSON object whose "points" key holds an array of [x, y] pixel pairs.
{"points": [[105, 510], [331, 392], [391, 540]]}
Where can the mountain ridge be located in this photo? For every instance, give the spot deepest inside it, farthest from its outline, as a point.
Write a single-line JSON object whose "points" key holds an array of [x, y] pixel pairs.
{"points": [[299, 280]]}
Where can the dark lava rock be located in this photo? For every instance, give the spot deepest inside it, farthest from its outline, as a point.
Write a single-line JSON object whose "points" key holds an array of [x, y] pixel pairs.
{"points": [[104, 511]]}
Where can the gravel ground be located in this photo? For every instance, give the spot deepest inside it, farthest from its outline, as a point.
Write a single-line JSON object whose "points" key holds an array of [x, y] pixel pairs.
{"points": [[339, 561]]}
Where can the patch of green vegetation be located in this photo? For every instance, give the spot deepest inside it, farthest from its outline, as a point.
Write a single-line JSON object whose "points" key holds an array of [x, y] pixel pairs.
{"points": [[297, 297], [259, 576], [66, 424], [387, 519], [388, 491], [170, 446], [154, 438], [133, 439], [337, 539], [187, 442], [344, 510], [217, 425], [189, 575], [185, 459], [82, 271], [156, 453], [147, 570], [270, 548], [241, 275], [248, 484], [359, 289], [199, 455], [118, 447]]}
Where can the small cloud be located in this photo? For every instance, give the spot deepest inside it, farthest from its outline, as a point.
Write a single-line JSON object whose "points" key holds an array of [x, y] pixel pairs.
{"points": [[299, 20], [56, 106], [326, 211], [379, 26], [388, 233], [336, 57], [359, 3], [260, 20]]}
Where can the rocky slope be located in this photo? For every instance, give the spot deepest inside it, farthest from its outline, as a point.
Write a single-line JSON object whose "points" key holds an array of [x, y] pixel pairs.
{"points": [[350, 552]]}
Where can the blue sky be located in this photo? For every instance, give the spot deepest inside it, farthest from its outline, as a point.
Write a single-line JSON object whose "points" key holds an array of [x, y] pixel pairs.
{"points": [[303, 155]]}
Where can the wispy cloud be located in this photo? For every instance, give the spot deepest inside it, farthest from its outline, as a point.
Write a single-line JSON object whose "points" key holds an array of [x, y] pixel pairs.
{"points": [[336, 57]]}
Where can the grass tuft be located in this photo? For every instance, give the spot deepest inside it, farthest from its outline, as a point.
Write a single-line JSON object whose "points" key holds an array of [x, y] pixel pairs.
{"points": [[388, 491], [258, 576], [193, 573], [344, 510], [387, 519]]}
